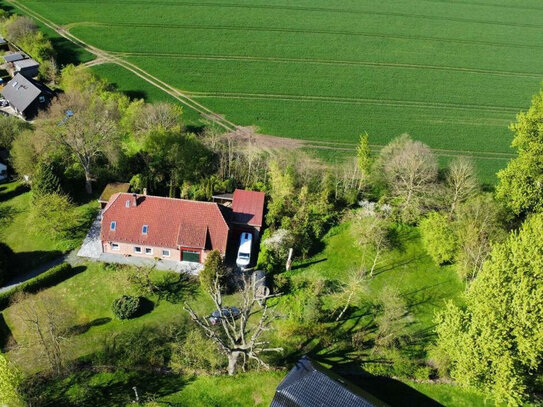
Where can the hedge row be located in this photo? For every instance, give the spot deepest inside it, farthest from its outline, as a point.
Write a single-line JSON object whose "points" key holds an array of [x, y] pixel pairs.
{"points": [[47, 279]]}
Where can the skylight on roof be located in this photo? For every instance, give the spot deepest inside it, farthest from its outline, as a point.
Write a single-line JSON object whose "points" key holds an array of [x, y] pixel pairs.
{"points": [[145, 229], [113, 225], [15, 84]]}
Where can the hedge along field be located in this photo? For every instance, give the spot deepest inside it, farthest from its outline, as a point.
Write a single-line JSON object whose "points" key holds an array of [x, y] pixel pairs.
{"points": [[451, 74]]}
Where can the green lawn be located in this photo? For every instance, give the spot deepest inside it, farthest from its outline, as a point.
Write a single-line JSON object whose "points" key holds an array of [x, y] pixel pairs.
{"points": [[31, 248], [452, 74], [90, 292]]}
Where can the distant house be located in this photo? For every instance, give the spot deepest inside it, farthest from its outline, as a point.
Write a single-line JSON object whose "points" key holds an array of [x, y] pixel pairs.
{"points": [[29, 68], [168, 228], [309, 384], [26, 96], [17, 56], [112, 189]]}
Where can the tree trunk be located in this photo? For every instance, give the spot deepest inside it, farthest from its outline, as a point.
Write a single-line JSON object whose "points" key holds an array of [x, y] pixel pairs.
{"points": [[232, 361], [88, 184]]}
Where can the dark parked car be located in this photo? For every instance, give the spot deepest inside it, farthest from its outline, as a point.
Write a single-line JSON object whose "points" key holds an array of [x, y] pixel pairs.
{"points": [[228, 312]]}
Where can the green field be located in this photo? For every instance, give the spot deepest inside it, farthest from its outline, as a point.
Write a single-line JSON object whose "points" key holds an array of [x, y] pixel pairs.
{"points": [[451, 73]]}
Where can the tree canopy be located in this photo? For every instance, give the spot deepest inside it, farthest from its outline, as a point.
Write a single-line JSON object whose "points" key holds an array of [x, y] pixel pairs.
{"points": [[521, 182], [496, 340]]}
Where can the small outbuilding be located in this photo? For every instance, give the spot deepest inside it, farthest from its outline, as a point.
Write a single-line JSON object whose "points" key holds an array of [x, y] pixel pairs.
{"points": [[26, 96], [309, 384], [29, 68], [17, 56], [112, 189]]}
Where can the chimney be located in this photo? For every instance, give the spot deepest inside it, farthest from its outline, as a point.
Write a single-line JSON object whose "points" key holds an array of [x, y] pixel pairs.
{"points": [[134, 200], [145, 191]]}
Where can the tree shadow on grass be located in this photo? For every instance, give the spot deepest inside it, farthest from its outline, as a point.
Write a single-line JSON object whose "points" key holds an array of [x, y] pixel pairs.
{"points": [[146, 306], [82, 328], [176, 288], [105, 387], [307, 264], [7, 340], [6, 196]]}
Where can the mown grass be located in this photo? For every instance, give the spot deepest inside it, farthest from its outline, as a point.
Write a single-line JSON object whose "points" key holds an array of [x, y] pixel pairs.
{"points": [[30, 247], [451, 74]]}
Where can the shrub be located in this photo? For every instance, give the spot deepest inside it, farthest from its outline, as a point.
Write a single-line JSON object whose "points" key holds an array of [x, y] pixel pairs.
{"points": [[126, 307], [194, 354]]}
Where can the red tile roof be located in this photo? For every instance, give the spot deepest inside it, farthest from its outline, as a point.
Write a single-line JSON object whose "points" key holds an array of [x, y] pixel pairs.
{"points": [[172, 222], [248, 207]]}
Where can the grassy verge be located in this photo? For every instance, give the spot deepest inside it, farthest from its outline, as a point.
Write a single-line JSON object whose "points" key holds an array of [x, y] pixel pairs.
{"points": [[31, 248]]}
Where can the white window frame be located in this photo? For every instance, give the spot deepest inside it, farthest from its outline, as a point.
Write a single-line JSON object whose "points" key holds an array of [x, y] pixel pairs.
{"points": [[151, 251], [137, 249], [166, 255], [127, 203], [113, 226], [145, 229], [115, 246]]}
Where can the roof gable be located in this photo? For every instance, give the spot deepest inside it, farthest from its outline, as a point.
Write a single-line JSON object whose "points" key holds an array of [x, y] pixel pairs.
{"points": [[309, 384], [248, 207], [20, 92]]}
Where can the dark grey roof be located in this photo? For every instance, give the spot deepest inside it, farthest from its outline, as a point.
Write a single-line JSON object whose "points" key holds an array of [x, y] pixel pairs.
{"points": [[14, 57], [309, 384], [21, 92], [26, 63]]}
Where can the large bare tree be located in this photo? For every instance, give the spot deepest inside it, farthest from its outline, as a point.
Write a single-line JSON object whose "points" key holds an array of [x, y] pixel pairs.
{"points": [[461, 181], [239, 337], [47, 322], [410, 169], [86, 126]]}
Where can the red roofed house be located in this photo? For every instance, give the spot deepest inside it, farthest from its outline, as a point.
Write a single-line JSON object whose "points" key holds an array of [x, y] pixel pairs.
{"points": [[175, 229]]}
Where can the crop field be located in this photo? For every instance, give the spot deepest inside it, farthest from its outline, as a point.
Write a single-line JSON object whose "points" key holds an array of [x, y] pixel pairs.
{"points": [[452, 74]]}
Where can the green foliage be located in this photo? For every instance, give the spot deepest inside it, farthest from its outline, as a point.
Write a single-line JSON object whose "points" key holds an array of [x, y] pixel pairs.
{"points": [[438, 237], [193, 354], [214, 268], [520, 183], [496, 340], [363, 155], [9, 382], [479, 223], [38, 46], [10, 127], [44, 181], [126, 307], [54, 214], [44, 280]]}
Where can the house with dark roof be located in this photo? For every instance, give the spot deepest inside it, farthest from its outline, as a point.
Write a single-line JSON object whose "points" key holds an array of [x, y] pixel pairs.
{"points": [[16, 56], [26, 96], [29, 68], [309, 384], [169, 228]]}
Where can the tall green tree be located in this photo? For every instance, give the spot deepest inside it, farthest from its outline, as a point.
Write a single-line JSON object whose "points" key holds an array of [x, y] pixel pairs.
{"points": [[363, 156], [45, 181], [521, 182], [438, 237], [495, 341]]}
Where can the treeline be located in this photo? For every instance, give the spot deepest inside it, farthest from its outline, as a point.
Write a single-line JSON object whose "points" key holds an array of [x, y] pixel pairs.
{"points": [[23, 32]]}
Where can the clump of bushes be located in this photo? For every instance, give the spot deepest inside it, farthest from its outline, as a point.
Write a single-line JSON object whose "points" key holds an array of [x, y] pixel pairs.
{"points": [[126, 307]]}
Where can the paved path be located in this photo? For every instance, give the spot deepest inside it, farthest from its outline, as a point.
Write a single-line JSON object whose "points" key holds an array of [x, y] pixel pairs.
{"points": [[69, 257], [92, 247]]}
